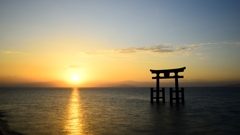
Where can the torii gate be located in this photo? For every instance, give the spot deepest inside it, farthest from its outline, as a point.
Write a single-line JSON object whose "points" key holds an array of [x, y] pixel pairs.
{"points": [[166, 73]]}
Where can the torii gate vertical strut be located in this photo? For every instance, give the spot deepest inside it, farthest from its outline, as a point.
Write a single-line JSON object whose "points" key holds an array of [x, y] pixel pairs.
{"points": [[166, 73]]}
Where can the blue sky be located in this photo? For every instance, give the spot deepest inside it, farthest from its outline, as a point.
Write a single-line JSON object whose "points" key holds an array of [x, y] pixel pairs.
{"points": [[125, 23]]}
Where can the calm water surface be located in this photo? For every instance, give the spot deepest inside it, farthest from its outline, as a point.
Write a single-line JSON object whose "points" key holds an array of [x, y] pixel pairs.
{"points": [[103, 111]]}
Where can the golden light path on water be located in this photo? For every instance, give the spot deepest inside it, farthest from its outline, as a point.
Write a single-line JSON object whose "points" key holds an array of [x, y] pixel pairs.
{"points": [[74, 124]]}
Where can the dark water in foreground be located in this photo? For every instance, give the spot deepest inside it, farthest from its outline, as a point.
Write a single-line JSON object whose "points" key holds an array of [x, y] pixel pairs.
{"points": [[113, 111]]}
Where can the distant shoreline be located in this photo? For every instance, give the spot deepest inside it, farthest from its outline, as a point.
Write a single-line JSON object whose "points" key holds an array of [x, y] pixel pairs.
{"points": [[225, 86]]}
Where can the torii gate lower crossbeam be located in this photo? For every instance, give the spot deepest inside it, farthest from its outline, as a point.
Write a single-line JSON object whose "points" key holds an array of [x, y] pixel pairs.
{"points": [[166, 75]]}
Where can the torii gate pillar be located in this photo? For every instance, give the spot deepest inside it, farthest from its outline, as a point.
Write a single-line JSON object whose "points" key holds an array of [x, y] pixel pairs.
{"points": [[166, 75]]}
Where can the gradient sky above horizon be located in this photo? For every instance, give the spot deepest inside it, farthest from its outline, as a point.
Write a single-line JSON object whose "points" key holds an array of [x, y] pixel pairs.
{"points": [[111, 41]]}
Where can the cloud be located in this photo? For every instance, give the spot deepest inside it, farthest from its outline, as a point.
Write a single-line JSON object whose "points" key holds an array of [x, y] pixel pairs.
{"points": [[9, 52], [237, 43], [219, 43], [96, 53], [159, 49], [156, 49], [88, 53], [73, 67]]}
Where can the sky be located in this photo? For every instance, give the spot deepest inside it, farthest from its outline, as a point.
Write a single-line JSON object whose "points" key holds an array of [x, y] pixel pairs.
{"points": [[100, 42]]}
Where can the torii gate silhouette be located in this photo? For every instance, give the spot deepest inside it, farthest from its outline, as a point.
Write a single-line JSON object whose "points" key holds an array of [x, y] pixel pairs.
{"points": [[166, 73]]}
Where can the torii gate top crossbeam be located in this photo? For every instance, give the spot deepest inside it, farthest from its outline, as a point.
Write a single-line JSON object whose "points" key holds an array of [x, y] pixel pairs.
{"points": [[168, 70], [167, 73]]}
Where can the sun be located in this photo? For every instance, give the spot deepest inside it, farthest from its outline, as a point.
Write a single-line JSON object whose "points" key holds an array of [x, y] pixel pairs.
{"points": [[75, 78]]}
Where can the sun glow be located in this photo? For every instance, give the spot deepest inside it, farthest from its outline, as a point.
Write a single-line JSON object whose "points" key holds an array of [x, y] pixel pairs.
{"points": [[75, 78]]}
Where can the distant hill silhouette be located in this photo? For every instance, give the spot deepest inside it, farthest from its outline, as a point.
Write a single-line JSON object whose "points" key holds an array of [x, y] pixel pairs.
{"points": [[126, 85], [232, 85]]}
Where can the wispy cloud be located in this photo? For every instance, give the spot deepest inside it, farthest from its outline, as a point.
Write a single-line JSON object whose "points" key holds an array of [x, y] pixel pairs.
{"points": [[10, 52], [95, 53], [220, 43], [73, 67], [159, 49], [237, 43], [155, 49]]}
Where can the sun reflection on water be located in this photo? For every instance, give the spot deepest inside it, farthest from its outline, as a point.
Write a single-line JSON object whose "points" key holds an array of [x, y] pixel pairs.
{"points": [[74, 124]]}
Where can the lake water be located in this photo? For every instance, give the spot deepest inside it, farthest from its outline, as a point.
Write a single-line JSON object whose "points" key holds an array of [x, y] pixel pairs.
{"points": [[118, 111]]}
